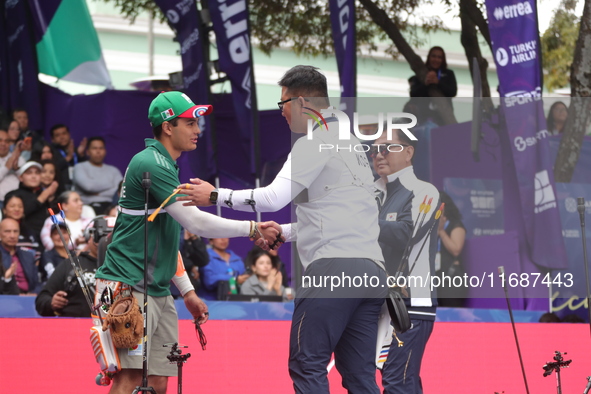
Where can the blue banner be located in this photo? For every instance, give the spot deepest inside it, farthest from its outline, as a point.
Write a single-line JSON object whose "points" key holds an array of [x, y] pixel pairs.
{"points": [[4, 76], [481, 203], [231, 27], [23, 84], [184, 18], [531, 179], [513, 26], [342, 18]]}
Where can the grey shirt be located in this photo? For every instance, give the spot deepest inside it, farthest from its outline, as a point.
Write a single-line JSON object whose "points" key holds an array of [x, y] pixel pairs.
{"points": [[253, 286]]}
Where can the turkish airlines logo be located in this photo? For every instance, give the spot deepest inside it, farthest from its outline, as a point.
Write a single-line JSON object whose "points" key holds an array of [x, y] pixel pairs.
{"points": [[502, 57], [513, 11]]}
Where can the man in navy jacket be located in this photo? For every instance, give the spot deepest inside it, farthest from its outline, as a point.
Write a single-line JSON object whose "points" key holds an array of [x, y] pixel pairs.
{"points": [[20, 262], [403, 195]]}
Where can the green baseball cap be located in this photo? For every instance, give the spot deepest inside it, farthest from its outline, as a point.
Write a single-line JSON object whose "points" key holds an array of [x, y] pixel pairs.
{"points": [[169, 105]]}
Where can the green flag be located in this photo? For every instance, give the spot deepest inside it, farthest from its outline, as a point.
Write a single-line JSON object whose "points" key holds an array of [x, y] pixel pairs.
{"points": [[68, 46]]}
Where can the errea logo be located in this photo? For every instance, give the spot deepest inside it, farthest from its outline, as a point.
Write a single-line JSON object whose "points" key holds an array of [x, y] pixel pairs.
{"points": [[513, 11]]}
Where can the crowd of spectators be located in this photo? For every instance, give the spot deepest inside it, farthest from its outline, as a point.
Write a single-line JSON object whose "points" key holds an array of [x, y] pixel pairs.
{"points": [[37, 175]]}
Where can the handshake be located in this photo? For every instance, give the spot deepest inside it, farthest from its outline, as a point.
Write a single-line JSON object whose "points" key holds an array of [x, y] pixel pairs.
{"points": [[266, 235]]}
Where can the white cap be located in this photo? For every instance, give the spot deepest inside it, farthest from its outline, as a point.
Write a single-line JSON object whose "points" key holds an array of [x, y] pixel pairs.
{"points": [[28, 165]]}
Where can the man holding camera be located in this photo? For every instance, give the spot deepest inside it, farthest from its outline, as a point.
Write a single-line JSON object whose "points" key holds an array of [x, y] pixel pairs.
{"points": [[62, 295]]}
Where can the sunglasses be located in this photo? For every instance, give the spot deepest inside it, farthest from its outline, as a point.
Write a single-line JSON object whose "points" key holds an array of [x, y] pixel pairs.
{"points": [[385, 149]]}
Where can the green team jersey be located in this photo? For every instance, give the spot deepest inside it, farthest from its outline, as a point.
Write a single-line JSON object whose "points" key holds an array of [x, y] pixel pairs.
{"points": [[124, 261]]}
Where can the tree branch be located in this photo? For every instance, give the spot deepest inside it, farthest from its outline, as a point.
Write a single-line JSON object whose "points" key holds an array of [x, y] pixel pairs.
{"points": [[470, 8], [469, 41], [579, 116]]}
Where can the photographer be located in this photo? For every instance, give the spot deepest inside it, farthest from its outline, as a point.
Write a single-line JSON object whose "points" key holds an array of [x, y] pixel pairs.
{"points": [[62, 295]]}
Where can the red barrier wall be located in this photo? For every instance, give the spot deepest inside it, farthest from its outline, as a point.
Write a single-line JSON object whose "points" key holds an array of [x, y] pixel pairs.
{"points": [[54, 356]]}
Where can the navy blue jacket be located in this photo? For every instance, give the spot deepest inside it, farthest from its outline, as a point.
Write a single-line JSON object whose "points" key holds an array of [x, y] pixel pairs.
{"points": [[27, 259], [404, 195]]}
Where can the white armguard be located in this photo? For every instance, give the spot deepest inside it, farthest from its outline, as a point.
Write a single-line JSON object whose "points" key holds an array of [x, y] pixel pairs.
{"points": [[183, 283], [205, 224], [264, 199], [181, 279]]}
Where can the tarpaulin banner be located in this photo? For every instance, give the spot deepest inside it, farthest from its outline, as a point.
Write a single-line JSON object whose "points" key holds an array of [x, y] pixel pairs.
{"points": [[184, 18], [531, 179], [22, 61], [231, 27], [513, 26], [342, 18]]}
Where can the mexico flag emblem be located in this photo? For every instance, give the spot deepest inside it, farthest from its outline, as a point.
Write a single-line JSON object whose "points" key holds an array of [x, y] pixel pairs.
{"points": [[167, 114]]}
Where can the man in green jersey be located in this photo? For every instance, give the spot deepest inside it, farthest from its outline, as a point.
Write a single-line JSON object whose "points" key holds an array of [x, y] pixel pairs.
{"points": [[173, 117]]}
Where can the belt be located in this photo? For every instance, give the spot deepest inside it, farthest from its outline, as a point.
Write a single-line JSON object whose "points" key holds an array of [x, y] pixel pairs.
{"points": [[139, 212]]}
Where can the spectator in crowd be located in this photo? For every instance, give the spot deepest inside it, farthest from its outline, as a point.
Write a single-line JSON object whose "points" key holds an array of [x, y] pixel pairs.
{"points": [[9, 163], [48, 176], [400, 207], [7, 283], [22, 117], [51, 258], [573, 318], [35, 199], [557, 116], [62, 295], [72, 206], [223, 265], [15, 138], [14, 133], [277, 263], [43, 150], [267, 280], [19, 262], [30, 137], [95, 181], [452, 235], [439, 75], [549, 317], [111, 211], [64, 144], [195, 256], [14, 209]]}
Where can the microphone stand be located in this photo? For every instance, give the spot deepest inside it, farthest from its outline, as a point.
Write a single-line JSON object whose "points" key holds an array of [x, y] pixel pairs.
{"points": [[581, 209], [588, 387], [555, 366], [144, 388], [176, 356], [502, 274]]}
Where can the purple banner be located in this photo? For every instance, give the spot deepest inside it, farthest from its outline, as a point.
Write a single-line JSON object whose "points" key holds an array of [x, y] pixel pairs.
{"points": [[231, 27], [22, 69], [531, 180], [513, 26], [4, 76], [342, 18], [184, 18]]}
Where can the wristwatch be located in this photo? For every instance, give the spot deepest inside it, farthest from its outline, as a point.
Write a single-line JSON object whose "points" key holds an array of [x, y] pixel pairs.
{"points": [[213, 196]]}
